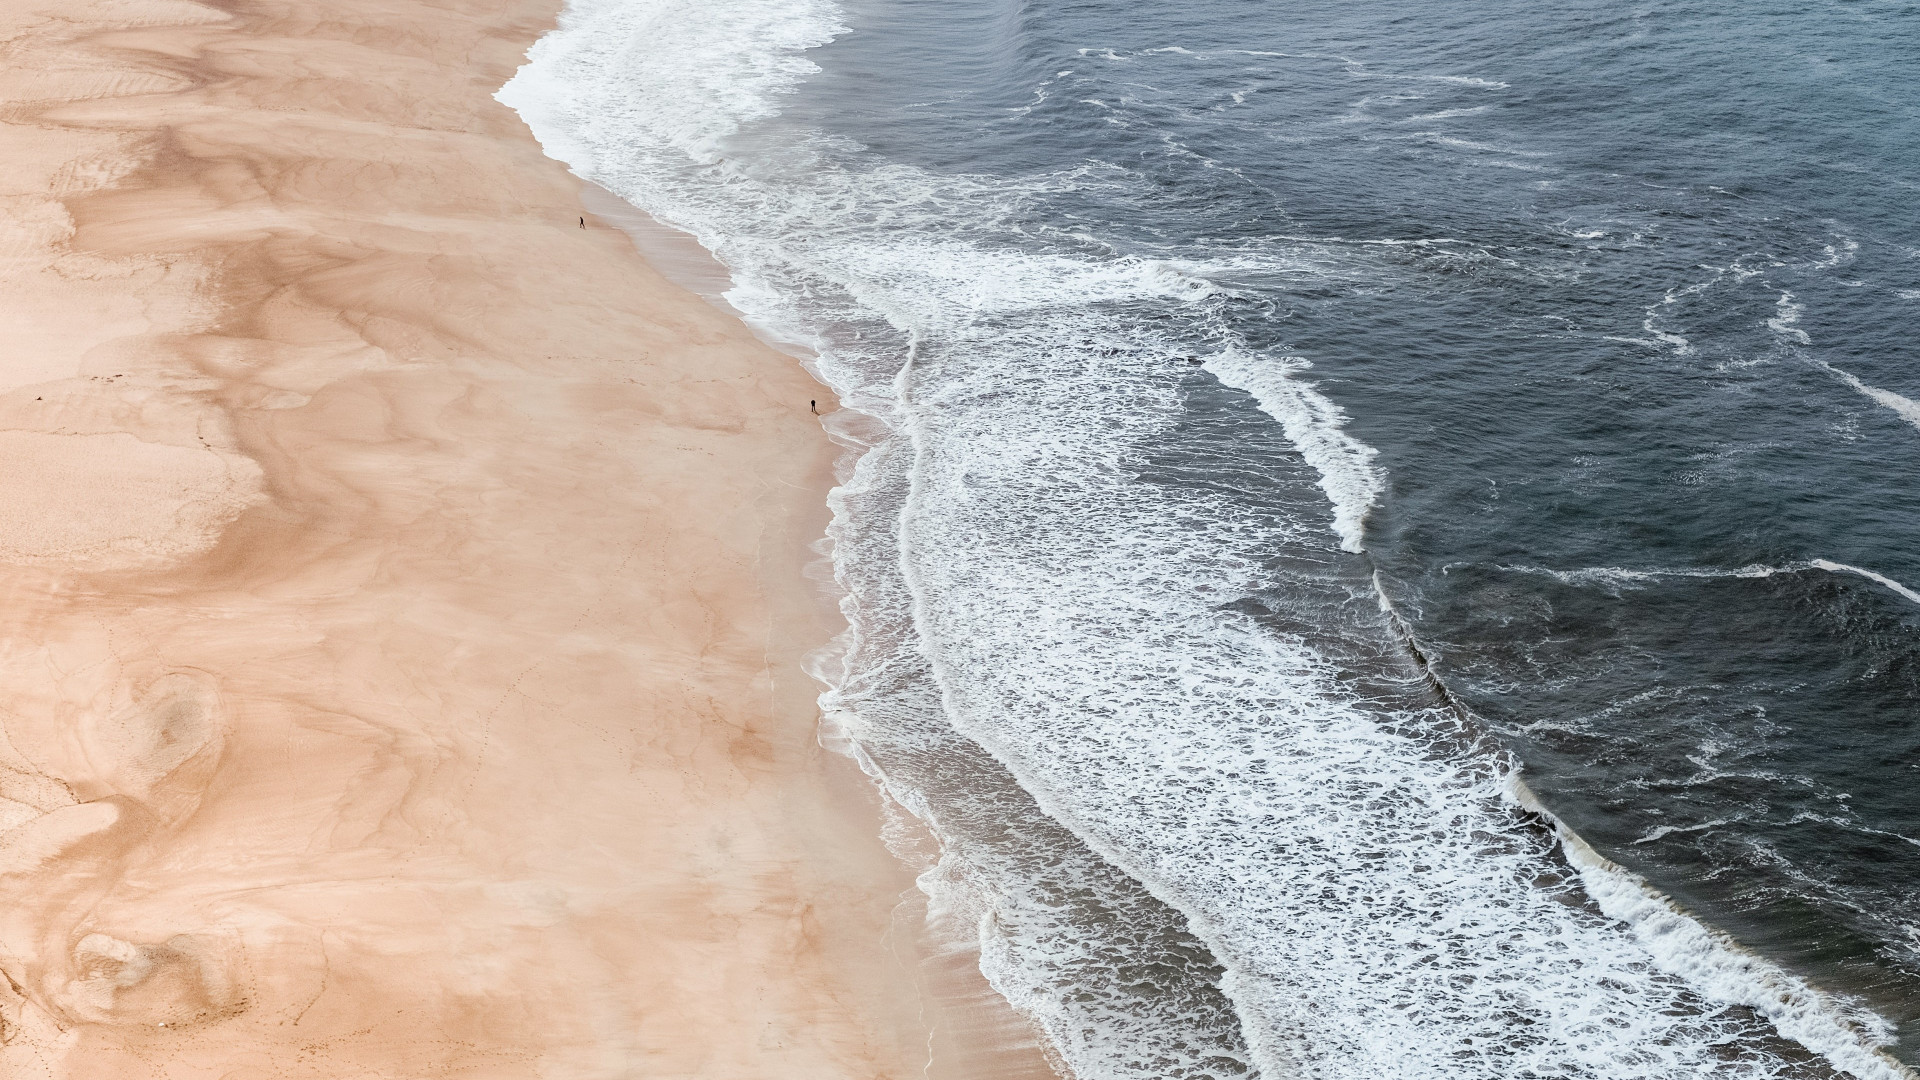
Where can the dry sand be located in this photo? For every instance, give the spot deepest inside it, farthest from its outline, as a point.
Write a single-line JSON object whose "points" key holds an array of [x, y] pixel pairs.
{"points": [[401, 590]]}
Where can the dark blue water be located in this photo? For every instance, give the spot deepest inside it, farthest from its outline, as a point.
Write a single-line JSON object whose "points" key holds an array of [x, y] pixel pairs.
{"points": [[1579, 336]]}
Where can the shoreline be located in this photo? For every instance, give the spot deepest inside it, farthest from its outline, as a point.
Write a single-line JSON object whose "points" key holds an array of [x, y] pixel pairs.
{"points": [[973, 1031], [407, 591]]}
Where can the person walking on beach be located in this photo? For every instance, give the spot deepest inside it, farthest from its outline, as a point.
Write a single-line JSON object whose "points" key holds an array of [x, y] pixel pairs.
{"points": [[814, 407]]}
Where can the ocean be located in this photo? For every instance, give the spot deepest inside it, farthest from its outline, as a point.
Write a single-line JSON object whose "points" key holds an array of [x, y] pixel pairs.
{"points": [[1377, 538]]}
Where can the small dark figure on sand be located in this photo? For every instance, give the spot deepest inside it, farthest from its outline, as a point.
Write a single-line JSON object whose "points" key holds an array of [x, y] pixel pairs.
{"points": [[583, 223], [814, 407]]}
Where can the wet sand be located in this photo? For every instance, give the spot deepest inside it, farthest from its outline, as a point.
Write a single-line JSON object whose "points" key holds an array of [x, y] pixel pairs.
{"points": [[402, 590]]}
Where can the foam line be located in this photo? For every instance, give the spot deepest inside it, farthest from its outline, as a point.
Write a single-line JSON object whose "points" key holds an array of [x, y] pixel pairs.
{"points": [[1622, 577], [1905, 408], [1882, 579]]}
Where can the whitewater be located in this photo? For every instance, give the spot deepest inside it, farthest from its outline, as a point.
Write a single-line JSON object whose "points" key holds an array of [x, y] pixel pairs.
{"points": [[1170, 672]]}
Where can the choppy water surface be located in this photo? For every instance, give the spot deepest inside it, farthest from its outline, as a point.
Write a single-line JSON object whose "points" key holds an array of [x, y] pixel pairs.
{"points": [[1281, 425]]}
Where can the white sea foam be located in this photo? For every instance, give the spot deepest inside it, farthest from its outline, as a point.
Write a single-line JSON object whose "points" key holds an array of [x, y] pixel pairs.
{"points": [[1833, 255], [690, 73], [1315, 425], [1658, 312], [1839, 1029], [1620, 576], [1381, 906], [1881, 579], [1669, 830], [1904, 407], [1786, 319], [1377, 910]]}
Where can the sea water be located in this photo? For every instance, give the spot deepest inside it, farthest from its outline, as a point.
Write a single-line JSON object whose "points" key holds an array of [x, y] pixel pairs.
{"points": [[1377, 538]]}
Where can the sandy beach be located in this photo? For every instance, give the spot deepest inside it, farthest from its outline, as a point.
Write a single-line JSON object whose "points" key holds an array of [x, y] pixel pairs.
{"points": [[404, 589]]}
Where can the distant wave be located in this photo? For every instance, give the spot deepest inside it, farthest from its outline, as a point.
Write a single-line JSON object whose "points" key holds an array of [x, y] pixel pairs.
{"points": [[1624, 577]]}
